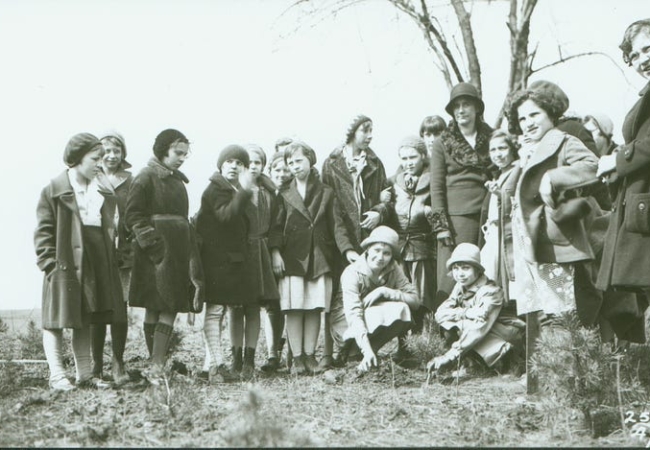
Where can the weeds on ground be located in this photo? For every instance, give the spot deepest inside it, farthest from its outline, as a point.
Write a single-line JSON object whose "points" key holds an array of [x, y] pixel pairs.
{"points": [[576, 370]]}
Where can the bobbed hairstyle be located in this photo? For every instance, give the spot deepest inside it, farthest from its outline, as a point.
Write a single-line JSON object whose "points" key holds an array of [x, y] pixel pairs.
{"points": [[551, 104], [509, 139], [432, 125], [299, 146], [165, 140], [630, 33]]}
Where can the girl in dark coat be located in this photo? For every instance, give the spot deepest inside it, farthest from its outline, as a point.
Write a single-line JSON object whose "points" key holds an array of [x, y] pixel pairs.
{"points": [[303, 252], [167, 278], [119, 179], [358, 177], [74, 248], [626, 255], [224, 222], [460, 166]]}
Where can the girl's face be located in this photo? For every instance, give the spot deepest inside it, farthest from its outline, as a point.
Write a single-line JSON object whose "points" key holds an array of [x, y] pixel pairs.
{"points": [[231, 168], [378, 256], [256, 165], [176, 155], [363, 136], [112, 155], [299, 165], [428, 140], [533, 121], [412, 161], [464, 274], [640, 54], [91, 163], [279, 173], [464, 110], [500, 152]]}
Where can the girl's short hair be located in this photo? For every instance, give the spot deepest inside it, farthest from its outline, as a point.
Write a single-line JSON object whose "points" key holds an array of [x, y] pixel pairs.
{"points": [[432, 125], [551, 104], [632, 31], [306, 150], [165, 140], [256, 149], [509, 139]]}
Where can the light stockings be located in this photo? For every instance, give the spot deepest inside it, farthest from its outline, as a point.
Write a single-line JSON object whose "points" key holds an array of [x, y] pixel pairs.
{"points": [[244, 322], [212, 330], [303, 328], [53, 344]]}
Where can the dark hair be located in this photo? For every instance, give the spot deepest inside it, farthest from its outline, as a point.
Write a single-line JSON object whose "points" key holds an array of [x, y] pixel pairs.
{"points": [[165, 140], [432, 125], [511, 140], [551, 104], [296, 146], [632, 31]]}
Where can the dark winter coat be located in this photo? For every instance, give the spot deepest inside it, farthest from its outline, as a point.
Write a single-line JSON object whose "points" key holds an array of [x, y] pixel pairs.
{"points": [[410, 216], [458, 174], [337, 176], [223, 226], [626, 255], [569, 164], [59, 245], [260, 218], [124, 238], [166, 267], [304, 230]]}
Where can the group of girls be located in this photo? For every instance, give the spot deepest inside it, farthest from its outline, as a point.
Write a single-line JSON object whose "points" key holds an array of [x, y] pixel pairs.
{"points": [[369, 254]]}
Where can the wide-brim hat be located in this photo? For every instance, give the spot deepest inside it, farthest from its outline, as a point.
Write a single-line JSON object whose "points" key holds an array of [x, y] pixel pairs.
{"points": [[465, 90], [466, 253], [385, 235]]}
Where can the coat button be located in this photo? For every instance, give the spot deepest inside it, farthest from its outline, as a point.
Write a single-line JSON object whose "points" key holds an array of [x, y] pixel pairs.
{"points": [[641, 206]]}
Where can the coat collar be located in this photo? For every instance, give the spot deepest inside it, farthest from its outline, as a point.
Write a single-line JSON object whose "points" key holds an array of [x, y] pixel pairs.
{"points": [[221, 181], [423, 181], [61, 186], [461, 293], [545, 148], [645, 105], [121, 176], [341, 169], [163, 171], [293, 198]]}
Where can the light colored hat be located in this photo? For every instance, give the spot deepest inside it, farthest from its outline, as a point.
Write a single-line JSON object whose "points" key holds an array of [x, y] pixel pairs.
{"points": [[384, 235], [603, 122], [466, 253]]}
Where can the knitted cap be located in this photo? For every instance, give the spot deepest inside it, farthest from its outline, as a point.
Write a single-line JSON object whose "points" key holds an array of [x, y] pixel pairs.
{"points": [[233, 151], [415, 142], [466, 253], [603, 122], [465, 90], [352, 128], [385, 235], [78, 146], [165, 139], [120, 139], [551, 90]]}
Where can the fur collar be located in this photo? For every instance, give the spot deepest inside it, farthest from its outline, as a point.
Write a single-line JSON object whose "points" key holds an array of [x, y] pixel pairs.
{"points": [[463, 153]]}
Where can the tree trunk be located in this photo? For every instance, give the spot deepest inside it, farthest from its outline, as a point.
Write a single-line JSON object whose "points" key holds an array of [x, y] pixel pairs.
{"points": [[468, 40]]}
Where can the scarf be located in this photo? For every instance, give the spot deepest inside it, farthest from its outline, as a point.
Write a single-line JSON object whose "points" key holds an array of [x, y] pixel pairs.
{"points": [[355, 165]]}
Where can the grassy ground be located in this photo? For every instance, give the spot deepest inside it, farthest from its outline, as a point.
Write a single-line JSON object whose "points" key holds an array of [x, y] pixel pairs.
{"points": [[391, 406]]}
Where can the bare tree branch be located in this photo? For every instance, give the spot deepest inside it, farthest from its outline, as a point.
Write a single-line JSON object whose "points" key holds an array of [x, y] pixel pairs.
{"points": [[564, 59]]}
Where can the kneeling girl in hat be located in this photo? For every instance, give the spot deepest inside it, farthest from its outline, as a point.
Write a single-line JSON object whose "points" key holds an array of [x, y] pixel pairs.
{"points": [[471, 316], [377, 296]]}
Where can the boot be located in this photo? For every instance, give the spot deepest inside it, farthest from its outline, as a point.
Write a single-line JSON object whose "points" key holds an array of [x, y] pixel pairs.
{"points": [[236, 365], [248, 367]]}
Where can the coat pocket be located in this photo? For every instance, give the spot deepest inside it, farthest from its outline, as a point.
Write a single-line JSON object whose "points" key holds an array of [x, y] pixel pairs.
{"points": [[554, 232], [637, 213]]}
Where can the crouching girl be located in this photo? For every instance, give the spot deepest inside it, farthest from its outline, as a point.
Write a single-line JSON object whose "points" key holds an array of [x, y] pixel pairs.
{"points": [[377, 296], [471, 316]]}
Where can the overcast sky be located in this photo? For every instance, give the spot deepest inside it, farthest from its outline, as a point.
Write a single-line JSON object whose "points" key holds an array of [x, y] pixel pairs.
{"points": [[234, 71]]}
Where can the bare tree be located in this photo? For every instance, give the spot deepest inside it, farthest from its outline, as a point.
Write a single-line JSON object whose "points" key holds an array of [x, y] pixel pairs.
{"points": [[447, 55]]}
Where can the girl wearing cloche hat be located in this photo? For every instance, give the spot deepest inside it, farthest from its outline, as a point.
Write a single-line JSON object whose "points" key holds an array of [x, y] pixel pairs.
{"points": [[377, 296], [471, 317]]}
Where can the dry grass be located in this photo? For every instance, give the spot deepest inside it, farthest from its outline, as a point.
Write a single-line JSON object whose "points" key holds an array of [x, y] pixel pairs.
{"points": [[388, 407]]}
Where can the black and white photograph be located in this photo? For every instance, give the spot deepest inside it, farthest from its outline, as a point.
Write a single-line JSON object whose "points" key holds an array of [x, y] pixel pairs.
{"points": [[325, 223]]}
